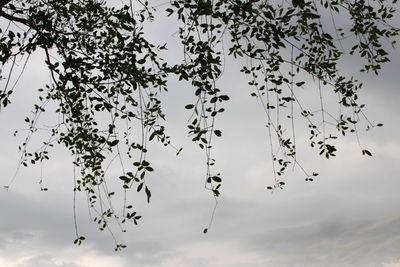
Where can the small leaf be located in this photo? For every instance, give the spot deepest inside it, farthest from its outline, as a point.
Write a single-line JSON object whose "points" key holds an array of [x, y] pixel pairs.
{"points": [[113, 143], [298, 3], [218, 133], [125, 179], [140, 186], [150, 169], [148, 194], [189, 106], [216, 179], [366, 152], [224, 97], [145, 163], [179, 151]]}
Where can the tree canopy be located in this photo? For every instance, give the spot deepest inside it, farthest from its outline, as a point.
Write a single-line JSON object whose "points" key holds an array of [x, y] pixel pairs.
{"points": [[106, 78]]}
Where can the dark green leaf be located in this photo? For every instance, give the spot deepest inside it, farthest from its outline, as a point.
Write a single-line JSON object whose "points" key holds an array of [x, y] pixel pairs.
{"points": [[218, 133]]}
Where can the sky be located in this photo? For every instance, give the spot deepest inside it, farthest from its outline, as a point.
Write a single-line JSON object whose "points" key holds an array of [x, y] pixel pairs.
{"points": [[349, 216]]}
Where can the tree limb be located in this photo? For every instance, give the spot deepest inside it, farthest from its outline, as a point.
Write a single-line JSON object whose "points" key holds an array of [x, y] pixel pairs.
{"points": [[12, 18], [4, 2]]}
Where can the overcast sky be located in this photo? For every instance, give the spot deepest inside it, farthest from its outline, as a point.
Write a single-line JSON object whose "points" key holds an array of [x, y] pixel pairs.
{"points": [[349, 216]]}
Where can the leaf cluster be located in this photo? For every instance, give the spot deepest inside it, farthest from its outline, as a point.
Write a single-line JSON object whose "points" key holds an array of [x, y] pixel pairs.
{"points": [[106, 78]]}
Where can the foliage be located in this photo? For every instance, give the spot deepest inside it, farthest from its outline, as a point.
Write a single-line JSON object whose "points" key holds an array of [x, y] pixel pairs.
{"points": [[102, 66]]}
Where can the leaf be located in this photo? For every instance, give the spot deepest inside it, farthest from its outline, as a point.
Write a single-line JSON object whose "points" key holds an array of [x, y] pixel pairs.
{"points": [[153, 134], [224, 97], [190, 106], [148, 193], [113, 143], [179, 151], [150, 169], [366, 152], [213, 100], [218, 133], [125, 179], [139, 188], [298, 3], [216, 179], [145, 163]]}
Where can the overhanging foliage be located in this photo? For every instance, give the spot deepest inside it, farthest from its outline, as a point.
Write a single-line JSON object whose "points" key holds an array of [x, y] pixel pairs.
{"points": [[101, 65]]}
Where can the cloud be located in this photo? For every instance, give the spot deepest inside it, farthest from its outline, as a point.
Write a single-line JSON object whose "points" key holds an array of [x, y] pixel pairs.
{"points": [[392, 263], [44, 260], [330, 243]]}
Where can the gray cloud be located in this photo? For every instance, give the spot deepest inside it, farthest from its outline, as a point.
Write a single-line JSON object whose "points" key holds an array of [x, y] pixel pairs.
{"points": [[331, 243], [45, 260]]}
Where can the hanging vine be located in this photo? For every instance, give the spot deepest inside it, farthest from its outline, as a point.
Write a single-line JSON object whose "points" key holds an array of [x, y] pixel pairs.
{"points": [[106, 78]]}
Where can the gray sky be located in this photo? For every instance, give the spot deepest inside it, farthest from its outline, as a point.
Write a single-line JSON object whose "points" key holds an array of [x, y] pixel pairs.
{"points": [[349, 216]]}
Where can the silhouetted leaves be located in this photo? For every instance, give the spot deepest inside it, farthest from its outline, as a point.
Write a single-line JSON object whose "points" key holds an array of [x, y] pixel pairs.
{"points": [[101, 63]]}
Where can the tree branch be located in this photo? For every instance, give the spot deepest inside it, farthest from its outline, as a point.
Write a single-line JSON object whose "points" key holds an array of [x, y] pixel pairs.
{"points": [[12, 18], [31, 24], [4, 2]]}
